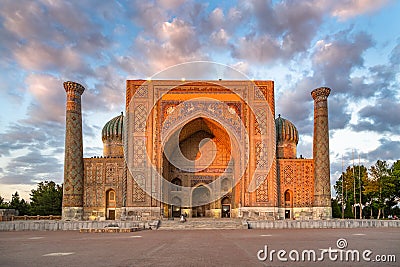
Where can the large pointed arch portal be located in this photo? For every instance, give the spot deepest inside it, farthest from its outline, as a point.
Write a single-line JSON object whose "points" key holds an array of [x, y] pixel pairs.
{"points": [[200, 154]]}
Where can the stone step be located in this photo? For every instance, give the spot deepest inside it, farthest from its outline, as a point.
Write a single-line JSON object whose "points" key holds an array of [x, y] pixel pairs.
{"points": [[109, 230], [193, 223]]}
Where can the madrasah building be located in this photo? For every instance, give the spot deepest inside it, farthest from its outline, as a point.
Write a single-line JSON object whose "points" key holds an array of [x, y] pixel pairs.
{"points": [[199, 148]]}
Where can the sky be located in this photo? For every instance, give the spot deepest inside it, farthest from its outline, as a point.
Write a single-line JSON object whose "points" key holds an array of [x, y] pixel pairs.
{"points": [[351, 46]]}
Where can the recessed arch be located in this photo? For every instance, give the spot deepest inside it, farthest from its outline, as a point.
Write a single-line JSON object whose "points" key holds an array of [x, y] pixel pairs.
{"points": [[111, 204], [226, 204], [201, 198], [288, 197], [209, 155]]}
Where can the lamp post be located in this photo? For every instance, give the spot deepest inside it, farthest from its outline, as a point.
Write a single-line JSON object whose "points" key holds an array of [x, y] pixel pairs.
{"points": [[354, 190], [359, 181], [342, 190]]}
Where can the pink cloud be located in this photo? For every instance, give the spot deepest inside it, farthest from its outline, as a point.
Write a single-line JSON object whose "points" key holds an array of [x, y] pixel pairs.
{"points": [[40, 56], [49, 98], [347, 9]]}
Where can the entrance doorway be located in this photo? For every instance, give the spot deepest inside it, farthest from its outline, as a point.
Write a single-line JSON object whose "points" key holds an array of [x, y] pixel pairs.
{"points": [[225, 207], [110, 204], [287, 214], [288, 204], [111, 214], [176, 207], [200, 201]]}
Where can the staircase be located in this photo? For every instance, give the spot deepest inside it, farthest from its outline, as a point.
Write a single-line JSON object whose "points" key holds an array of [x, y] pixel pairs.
{"points": [[202, 223]]}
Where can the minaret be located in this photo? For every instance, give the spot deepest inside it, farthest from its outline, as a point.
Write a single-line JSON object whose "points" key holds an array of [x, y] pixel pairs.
{"points": [[322, 187], [72, 206]]}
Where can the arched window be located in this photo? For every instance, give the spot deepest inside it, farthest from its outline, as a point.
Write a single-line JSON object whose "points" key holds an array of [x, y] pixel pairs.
{"points": [[178, 183], [110, 204], [287, 196], [111, 196], [226, 184]]}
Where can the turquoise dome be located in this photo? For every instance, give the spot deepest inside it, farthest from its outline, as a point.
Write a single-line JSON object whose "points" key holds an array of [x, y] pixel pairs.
{"points": [[285, 130], [113, 128]]}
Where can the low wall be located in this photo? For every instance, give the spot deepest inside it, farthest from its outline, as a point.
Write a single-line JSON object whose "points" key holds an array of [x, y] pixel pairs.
{"points": [[297, 224], [64, 225], [284, 224]]}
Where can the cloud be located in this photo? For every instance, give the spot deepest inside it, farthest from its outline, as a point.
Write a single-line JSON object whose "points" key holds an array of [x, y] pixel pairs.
{"points": [[50, 36], [220, 38], [41, 57], [31, 168], [381, 116], [296, 105], [146, 14], [388, 150], [395, 54], [171, 4], [108, 92], [48, 99], [17, 137], [381, 113], [337, 56], [339, 115], [179, 36], [300, 20], [175, 42], [217, 18], [280, 30], [333, 62], [347, 9], [257, 49], [26, 20]]}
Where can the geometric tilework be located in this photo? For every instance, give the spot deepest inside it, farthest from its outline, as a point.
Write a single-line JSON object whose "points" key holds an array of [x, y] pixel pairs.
{"points": [[142, 92], [261, 121], [262, 190], [258, 94], [297, 176], [102, 174], [73, 165], [139, 150], [138, 193], [321, 147], [111, 173], [140, 119], [261, 155], [288, 174]]}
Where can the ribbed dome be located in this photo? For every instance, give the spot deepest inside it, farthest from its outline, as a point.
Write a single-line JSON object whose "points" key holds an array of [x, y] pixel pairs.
{"points": [[113, 128], [285, 130]]}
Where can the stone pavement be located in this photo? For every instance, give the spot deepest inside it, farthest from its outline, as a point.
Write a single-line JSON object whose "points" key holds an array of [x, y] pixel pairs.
{"points": [[188, 248]]}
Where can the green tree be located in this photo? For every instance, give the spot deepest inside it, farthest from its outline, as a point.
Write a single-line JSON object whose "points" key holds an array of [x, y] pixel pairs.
{"points": [[19, 204], [395, 173], [336, 210], [380, 187], [3, 204], [394, 194], [370, 192], [46, 199], [348, 211], [352, 180]]}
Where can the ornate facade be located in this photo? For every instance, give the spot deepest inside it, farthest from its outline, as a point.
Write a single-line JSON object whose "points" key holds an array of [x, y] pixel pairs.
{"points": [[199, 148]]}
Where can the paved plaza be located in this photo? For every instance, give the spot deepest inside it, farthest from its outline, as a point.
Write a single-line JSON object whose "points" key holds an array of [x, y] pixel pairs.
{"points": [[194, 248]]}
